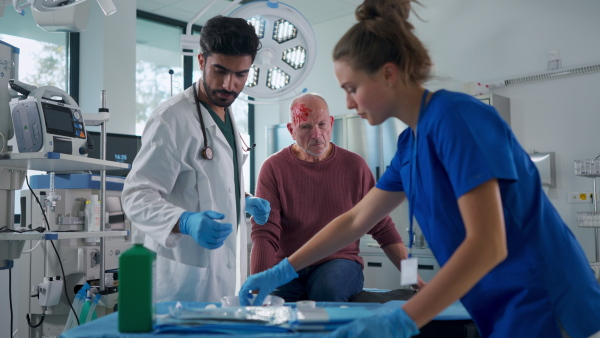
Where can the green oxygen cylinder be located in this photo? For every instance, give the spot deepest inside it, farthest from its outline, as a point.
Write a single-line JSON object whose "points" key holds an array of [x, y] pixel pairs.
{"points": [[136, 287]]}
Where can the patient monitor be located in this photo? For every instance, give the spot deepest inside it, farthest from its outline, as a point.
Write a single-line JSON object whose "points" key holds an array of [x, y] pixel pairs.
{"points": [[48, 120]]}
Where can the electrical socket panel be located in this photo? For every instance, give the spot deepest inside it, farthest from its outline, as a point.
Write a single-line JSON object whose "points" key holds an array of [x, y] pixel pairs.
{"points": [[580, 197], [553, 55], [554, 61]]}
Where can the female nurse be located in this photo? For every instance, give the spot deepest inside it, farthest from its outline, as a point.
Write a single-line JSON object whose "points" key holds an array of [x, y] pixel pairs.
{"points": [[504, 250]]}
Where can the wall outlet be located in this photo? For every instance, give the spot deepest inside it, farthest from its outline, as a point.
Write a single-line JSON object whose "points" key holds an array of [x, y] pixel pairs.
{"points": [[553, 55], [554, 60], [580, 197]]}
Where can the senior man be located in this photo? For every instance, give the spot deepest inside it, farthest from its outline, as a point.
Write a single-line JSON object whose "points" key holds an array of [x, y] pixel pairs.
{"points": [[308, 184]]}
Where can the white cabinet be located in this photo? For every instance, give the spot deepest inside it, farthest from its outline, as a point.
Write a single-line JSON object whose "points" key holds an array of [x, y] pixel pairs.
{"points": [[501, 103], [427, 264], [379, 272]]}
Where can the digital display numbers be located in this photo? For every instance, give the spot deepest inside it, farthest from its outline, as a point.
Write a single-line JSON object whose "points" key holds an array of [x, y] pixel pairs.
{"points": [[121, 158]]}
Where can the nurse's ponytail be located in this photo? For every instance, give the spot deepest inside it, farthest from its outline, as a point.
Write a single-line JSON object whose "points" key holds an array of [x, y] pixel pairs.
{"points": [[383, 34]]}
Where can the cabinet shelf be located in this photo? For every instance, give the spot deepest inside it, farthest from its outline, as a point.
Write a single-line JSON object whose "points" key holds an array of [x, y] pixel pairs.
{"points": [[55, 235], [56, 162]]}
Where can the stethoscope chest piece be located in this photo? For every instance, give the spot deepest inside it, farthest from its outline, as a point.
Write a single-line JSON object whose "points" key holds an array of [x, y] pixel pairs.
{"points": [[207, 153]]}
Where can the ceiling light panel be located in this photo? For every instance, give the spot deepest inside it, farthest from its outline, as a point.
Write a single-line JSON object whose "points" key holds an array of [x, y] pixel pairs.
{"points": [[295, 57], [277, 78], [284, 31], [252, 76]]}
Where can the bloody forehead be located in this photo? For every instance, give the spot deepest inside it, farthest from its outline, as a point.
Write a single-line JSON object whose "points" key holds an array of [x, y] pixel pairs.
{"points": [[300, 113]]}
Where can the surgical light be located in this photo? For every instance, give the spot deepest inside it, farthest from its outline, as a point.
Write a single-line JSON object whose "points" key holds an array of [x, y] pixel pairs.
{"points": [[259, 25], [284, 31], [252, 77], [288, 48], [295, 57], [277, 78]]}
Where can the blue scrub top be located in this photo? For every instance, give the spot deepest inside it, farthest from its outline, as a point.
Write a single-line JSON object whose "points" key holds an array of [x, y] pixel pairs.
{"points": [[546, 278]]}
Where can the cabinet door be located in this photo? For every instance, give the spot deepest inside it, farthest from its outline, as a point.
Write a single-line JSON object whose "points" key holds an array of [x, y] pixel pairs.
{"points": [[428, 267], [380, 273]]}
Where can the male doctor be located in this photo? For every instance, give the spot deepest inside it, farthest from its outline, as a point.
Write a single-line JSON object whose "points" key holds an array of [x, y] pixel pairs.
{"points": [[184, 190]]}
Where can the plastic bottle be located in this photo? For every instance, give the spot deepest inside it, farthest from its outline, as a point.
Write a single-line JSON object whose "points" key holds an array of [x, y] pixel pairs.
{"points": [[136, 287], [92, 214]]}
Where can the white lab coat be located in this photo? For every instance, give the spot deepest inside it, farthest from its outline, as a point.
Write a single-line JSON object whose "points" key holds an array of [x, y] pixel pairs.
{"points": [[169, 176]]}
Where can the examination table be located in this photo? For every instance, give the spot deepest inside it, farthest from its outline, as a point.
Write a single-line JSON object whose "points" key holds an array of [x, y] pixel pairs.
{"points": [[454, 322]]}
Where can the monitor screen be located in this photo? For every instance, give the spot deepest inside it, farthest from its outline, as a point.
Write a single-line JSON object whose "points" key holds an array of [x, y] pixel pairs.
{"points": [[59, 120], [119, 148]]}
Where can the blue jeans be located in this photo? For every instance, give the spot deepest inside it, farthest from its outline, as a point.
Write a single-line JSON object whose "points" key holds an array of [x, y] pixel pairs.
{"points": [[334, 281]]}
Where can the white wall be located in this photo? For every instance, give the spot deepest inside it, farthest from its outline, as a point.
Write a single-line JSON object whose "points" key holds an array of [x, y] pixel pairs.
{"points": [[488, 41], [108, 62]]}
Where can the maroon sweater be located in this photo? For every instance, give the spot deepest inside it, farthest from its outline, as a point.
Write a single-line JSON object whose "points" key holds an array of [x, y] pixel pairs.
{"points": [[304, 197]]}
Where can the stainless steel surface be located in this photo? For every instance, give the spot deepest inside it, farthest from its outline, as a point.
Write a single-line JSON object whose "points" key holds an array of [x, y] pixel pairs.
{"points": [[103, 199]]}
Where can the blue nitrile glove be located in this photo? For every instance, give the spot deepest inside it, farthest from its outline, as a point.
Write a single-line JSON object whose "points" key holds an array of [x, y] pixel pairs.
{"points": [[266, 282], [388, 321], [259, 209], [203, 228]]}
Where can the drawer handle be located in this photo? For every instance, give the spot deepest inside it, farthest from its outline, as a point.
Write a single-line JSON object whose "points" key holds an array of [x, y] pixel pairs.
{"points": [[425, 267], [375, 265]]}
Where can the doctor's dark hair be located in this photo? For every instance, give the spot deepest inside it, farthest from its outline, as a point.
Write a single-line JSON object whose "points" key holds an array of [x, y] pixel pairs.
{"points": [[383, 34], [228, 36]]}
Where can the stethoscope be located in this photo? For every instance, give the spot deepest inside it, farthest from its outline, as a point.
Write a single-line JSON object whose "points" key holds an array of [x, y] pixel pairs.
{"points": [[206, 151]]}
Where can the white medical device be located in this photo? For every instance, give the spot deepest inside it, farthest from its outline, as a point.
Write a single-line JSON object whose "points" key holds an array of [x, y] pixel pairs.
{"points": [[48, 120], [9, 65]]}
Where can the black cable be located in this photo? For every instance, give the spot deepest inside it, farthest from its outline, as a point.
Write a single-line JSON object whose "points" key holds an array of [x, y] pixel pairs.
{"points": [[6, 229], [57, 255], [10, 300], [38, 324]]}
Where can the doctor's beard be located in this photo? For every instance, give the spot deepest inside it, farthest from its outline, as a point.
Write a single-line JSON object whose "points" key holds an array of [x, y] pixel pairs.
{"points": [[214, 98]]}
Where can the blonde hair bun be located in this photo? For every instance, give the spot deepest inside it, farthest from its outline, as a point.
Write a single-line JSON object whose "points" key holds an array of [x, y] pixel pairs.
{"points": [[384, 9]]}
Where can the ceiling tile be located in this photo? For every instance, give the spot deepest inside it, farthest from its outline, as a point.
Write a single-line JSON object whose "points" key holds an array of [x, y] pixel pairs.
{"points": [[148, 6], [316, 11]]}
